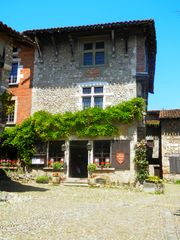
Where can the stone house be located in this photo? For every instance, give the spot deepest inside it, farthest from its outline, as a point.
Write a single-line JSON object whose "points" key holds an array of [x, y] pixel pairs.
{"points": [[163, 137], [10, 72], [96, 65]]}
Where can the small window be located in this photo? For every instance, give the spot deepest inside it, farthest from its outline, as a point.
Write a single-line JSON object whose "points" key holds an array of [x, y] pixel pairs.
{"points": [[88, 58], [88, 46], [87, 90], [174, 164], [98, 102], [11, 114], [13, 75], [102, 153], [100, 45], [93, 54], [86, 102], [92, 97], [98, 89]]}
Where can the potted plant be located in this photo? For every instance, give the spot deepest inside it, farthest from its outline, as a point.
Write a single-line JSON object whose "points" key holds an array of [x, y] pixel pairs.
{"points": [[55, 178], [153, 184], [57, 165], [91, 168]]}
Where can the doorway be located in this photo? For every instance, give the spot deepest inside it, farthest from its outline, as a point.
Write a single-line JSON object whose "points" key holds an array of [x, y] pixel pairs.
{"points": [[78, 159]]}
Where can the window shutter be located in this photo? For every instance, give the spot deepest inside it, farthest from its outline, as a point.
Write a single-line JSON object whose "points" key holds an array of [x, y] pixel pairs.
{"points": [[174, 163]]}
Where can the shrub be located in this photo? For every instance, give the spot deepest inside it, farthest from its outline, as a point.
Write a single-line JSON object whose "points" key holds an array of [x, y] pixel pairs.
{"points": [[57, 165], [91, 168], [42, 179], [153, 179], [177, 181], [141, 162]]}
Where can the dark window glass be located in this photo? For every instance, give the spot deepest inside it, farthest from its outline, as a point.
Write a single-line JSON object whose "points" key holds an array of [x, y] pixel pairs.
{"points": [[87, 90], [102, 151], [99, 45], [88, 58], [99, 58], [98, 102], [88, 46], [98, 89], [86, 102], [14, 69]]}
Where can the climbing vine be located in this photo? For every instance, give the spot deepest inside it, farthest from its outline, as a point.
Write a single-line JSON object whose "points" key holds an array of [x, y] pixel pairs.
{"points": [[140, 160], [92, 122], [6, 107]]}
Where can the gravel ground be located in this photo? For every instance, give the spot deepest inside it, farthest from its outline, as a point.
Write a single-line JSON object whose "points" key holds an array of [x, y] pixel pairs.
{"points": [[36, 211]]}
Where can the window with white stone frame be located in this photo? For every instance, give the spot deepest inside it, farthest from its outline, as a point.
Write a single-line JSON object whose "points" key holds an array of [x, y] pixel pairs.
{"points": [[11, 114], [92, 96], [12, 111], [14, 74]]}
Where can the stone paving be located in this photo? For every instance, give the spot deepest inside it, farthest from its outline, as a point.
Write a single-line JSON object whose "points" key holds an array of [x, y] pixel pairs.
{"points": [[36, 211]]}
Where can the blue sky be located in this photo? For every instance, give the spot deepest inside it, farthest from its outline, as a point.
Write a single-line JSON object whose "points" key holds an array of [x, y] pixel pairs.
{"points": [[24, 15]]}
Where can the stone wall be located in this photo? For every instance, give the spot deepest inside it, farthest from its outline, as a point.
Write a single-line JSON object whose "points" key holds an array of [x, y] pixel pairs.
{"points": [[5, 43], [170, 145], [56, 80]]}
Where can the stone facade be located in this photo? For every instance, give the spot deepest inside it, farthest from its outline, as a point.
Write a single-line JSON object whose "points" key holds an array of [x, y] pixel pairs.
{"points": [[170, 129], [5, 68], [56, 84], [60, 76]]}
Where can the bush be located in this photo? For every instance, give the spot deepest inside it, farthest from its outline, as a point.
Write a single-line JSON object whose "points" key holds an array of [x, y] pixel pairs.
{"points": [[42, 179], [57, 165], [153, 179], [141, 162], [177, 181], [91, 168]]}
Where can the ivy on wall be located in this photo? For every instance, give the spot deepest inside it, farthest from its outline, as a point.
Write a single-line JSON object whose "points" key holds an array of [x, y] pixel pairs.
{"points": [[141, 161], [6, 107], [92, 122]]}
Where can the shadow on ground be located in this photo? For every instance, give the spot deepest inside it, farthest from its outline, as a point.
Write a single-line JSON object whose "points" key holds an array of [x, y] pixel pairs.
{"points": [[7, 185]]}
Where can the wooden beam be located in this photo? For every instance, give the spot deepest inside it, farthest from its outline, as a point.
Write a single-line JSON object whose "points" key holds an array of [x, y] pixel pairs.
{"points": [[113, 43], [71, 43], [39, 49], [54, 45]]}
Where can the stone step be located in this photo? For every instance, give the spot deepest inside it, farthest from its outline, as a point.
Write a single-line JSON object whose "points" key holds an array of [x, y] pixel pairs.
{"points": [[76, 182]]}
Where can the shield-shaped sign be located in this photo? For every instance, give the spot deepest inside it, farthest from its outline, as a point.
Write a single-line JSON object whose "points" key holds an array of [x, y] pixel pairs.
{"points": [[120, 157]]}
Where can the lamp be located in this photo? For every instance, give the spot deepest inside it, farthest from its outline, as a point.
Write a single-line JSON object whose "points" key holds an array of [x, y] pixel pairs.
{"points": [[89, 146], [63, 148]]}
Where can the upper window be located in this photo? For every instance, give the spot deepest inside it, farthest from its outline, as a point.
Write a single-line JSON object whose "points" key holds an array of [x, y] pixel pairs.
{"points": [[93, 53], [13, 78], [92, 97], [11, 114]]}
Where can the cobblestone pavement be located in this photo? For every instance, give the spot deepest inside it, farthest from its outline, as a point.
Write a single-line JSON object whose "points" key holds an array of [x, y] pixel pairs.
{"points": [[77, 213]]}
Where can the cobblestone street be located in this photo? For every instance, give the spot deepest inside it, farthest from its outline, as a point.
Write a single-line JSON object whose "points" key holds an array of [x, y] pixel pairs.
{"points": [[59, 212]]}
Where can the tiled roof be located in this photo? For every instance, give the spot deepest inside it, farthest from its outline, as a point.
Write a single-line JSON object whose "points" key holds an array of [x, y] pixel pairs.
{"points": [[146, 26], [168, 114], [92, 27], [12, 33]]}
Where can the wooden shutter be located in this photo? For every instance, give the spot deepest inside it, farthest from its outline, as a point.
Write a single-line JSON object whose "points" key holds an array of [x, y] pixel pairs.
{"points": [[120, 158], [174, 163]]}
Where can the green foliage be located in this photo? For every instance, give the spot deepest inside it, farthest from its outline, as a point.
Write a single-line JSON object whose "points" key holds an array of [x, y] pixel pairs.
{"points": [[91, 168], [153, 179], [92, 122], [177, 181], [141, 162], [42, 179], [5, 99], [57, 165]]}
